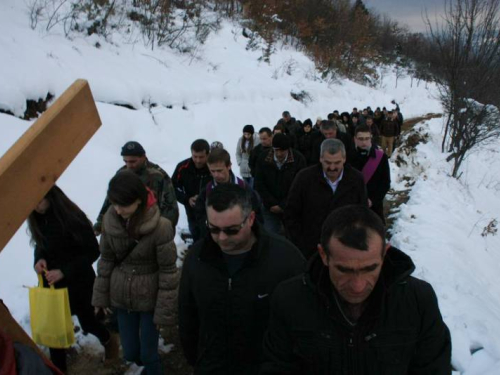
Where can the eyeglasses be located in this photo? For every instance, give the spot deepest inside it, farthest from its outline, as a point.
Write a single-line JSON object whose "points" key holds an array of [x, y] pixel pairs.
{"points": [[229, 231]]}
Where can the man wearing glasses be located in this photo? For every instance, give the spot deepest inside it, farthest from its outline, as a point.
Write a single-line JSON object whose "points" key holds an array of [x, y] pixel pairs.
{"points": [[373, 163], [227, 279]]}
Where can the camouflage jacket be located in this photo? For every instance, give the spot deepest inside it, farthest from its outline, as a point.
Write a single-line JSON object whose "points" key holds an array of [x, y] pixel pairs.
{"points": [[155, 178]]}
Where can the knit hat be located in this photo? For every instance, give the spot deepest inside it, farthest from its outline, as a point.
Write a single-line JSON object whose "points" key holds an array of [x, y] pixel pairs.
{"points": [[281, 141], [248, 129], [133, 148]]}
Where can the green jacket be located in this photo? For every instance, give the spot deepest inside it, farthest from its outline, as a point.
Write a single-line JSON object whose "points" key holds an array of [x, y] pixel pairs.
{"points": [[155, 178]]}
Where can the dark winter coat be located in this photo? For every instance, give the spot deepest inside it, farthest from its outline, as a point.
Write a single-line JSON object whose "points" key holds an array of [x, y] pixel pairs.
{"points": [[188, 181], [311, 199], [138, 274], [155, 178], [316, 150], [389, 128], [305, 143], [73, 252], [257, 152], [222, 319], [380, 183], [401, 332], [272, 183]]}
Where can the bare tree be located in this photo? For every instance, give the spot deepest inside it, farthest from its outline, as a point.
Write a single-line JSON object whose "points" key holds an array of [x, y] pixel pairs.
{"points": [[466, 45]]}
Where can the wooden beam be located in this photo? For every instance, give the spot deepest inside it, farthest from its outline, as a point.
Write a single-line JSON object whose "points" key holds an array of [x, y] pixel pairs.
{"points": [[34, 163]]}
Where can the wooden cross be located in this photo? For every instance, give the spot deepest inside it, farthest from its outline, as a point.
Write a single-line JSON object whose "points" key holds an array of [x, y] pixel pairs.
{"points": [[34, 163]]}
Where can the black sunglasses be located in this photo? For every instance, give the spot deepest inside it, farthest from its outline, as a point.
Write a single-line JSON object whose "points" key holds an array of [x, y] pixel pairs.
{"points": [[230, 231]]}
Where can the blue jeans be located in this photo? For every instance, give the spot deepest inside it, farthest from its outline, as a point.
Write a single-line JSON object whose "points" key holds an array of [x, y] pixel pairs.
{"points": [[139, 338]]}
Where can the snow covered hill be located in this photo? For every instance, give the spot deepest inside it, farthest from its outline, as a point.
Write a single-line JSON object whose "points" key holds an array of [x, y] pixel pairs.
{"points": [[212, 95]]}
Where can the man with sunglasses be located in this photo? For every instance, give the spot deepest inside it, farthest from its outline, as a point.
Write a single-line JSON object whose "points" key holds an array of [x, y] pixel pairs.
{"points": [[227, 279]]}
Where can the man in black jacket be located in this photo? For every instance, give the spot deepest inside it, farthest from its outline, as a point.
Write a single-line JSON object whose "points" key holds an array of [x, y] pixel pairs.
{"points": [[266, 142], [317, 191], [356, 310], [190, 176], [329, 130], [275, 174], [227, 280], [373, 163]]}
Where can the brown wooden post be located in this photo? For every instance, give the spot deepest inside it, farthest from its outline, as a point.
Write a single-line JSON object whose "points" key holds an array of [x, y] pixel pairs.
{"points": [[34, 163]]}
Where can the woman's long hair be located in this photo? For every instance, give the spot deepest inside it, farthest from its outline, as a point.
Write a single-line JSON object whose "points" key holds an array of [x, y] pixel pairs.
{"points": [[68, 214], [243, 145], [123, 190]]}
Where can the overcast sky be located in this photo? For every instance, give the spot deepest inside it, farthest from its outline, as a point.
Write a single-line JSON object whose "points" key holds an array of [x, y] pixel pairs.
{"points": [[408, 12]]}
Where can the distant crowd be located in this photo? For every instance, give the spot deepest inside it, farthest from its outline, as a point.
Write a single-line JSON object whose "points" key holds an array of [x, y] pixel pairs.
{"points": [[288, 269]]}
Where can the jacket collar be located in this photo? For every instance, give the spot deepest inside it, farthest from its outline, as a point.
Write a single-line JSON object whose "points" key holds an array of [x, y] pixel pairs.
{"points": [[114, 223], [396, 269]]}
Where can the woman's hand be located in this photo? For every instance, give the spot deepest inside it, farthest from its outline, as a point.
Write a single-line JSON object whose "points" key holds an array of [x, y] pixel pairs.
{"points": [[106, 310], [54, 276], [41, 266]]}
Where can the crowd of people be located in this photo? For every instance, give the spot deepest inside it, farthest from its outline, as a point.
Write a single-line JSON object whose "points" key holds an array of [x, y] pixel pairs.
{"points": [[289, 271]]}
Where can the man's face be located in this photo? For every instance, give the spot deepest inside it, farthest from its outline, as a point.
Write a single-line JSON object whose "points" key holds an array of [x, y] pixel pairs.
{"points": [[307, 129], [231, 219], [134, 162], [280, 154], [363, 140], [220, 172], [265, 140], [332, 165], [354, 273], [286, 118], [199, 159], [329, 133], [369, 121]]}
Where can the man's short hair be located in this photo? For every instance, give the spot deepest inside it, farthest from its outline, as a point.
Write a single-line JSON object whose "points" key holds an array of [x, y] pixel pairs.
{"points": [[200, 145], [266, 130], [225, 196], [352, 226], [332, 146], [285, 114], [330, 116], [328, 125], [362, 129], [219, 155]]}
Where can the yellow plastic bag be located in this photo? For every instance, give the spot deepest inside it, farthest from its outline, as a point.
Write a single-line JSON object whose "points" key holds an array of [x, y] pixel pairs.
{"points": [[51, 323]]}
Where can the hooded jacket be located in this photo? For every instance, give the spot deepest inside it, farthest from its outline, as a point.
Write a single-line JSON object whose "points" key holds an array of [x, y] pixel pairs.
{"points": [[138, 274], [401, 331]]}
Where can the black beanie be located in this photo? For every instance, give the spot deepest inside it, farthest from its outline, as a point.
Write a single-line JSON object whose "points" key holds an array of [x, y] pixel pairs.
{"points": [[281, 141], [132, 148], [307, 122], [248, 129]]}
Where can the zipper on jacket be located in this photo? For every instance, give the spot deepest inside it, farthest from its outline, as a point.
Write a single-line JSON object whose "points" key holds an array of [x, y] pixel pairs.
{"points": [[230, 284], [351, 350]]}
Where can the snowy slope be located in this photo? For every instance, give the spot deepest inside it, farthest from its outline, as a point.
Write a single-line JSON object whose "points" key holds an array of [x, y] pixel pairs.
{"points": [[213, 96]]}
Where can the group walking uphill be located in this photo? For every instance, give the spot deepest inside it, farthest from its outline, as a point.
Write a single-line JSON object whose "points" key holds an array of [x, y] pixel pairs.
{"points": [[288, 271]]}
